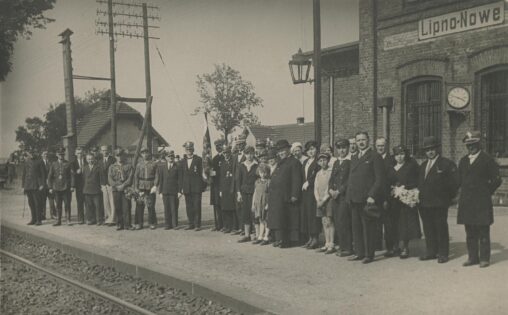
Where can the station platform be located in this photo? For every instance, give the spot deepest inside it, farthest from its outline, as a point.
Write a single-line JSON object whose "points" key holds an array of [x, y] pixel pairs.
{"points": [[264, 279]]}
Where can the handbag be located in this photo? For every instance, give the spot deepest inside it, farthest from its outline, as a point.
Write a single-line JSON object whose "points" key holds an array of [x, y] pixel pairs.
{"points": [[372, 211]]}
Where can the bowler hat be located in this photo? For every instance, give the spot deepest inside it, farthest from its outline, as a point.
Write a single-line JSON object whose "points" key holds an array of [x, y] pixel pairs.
{"points": [[472, 137], [430, 143], [342, 143], [170, 153], [282, 144]]}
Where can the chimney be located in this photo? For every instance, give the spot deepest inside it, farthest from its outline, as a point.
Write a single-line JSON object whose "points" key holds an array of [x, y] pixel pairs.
{"points": [[300, 120]]}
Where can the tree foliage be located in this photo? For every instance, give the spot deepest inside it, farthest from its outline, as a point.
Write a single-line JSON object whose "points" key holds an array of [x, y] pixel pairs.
{"points": [[19, 18], [227, 99], [47, 134]]}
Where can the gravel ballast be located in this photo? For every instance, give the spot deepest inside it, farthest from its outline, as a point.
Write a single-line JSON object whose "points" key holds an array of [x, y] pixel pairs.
{"points": [[152, 296]]}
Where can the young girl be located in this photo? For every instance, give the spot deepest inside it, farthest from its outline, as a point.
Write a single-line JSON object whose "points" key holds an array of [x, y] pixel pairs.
{"points": [[324, 208], [260, 206]]}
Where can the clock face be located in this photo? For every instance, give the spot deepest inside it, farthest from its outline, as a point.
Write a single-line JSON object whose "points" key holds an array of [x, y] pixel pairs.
{"points": [[458, 97]]}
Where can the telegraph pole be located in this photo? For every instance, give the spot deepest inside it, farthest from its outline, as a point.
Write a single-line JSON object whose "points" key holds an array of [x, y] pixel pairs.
{"points": [[70, 137], [316, 59], [112, 74], [149, 135]]}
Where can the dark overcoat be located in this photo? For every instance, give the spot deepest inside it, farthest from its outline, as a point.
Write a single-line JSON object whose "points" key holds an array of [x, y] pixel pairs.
{"points": [[78, 173], [285, 182], [367, 178], [478, 181], [92, 179], [33, 176], [308, 205], [215, 183], [227, 185], [166, 179], [104, 165], [191, 178], [441, 184], [247, 178]]}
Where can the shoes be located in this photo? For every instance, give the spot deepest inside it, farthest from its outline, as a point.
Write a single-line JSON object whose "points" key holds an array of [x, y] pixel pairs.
{"points": [[190, 227], [38, 223], [257, 241], [57, 224], [367, 260], [404, 253], [152, 227], [119, 228], [236, 232], [264, 242], [244, 239], [284, 245], [223, 230], [389, 253], [428, 257], [81, 222], [344, 253], [484, 264], [321, 250], [313, 245], [139, 227], [330, 251], [468, 263], [197, 229], [214, 230], [356, 257], [306, 245], [100, 223], [167, 228], [226, 231], [90, 223], [276, 244], [442, 260], [30, 223]]}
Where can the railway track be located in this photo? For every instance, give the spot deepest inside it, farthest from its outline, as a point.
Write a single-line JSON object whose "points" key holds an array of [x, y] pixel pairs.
{"points": [[81, 286]]}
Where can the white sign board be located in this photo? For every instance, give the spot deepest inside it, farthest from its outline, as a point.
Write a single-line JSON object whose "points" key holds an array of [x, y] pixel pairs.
{"points": [[460, 21]]}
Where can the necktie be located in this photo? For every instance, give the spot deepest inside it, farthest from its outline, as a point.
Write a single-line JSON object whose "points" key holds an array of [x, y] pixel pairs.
{"points": [[429, 166]]}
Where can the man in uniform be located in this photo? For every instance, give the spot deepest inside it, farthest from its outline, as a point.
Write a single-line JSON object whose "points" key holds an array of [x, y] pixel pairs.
{"points": [[365, 190], [77, 166], [479, 178], [437, 183], [107, 194], [32, 182], [283, 195], [144, 178], [45, 194], [92, 179], [61, 183], [166, 181], [191, 185], [215, 185], [119, 178]]}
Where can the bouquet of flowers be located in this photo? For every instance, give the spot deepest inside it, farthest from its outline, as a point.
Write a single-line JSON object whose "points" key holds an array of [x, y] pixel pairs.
{"points": [[409, 197], [131, 193]]}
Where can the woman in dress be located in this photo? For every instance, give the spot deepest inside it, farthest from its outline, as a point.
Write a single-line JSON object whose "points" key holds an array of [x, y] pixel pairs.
{"points": [[404, 180], [310, 225]]}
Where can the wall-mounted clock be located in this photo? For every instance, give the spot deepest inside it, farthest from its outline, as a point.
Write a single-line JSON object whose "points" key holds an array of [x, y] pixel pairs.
{"points": [[458, 97]]}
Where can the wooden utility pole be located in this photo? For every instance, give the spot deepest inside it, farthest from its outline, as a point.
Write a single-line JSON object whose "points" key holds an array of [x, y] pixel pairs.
{"points": [[148, 118], [316, 59], [112, 74], [70, 138]]}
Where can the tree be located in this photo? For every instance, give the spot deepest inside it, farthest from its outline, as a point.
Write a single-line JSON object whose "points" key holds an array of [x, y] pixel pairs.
{"points": [[41, 134], [227, 99], [18, 18]]}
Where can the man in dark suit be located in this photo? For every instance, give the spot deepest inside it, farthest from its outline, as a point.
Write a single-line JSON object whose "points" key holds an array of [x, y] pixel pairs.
{"points": [[437, 183], [215, 185], [120, 178], [92, 179], [61, 183], [337, 189], [78, 164], [479, 178], [389, 220], [33, 183], [238, 159], [367, 177], [283, 194], [107, 193], [191, 185], [45, 194], [166, 181]]}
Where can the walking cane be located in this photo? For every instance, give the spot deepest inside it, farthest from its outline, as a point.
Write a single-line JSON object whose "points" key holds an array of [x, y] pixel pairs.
{"points": [[24, 207]]}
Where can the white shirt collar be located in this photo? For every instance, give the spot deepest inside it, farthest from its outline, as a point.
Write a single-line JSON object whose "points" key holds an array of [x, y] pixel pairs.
{"points": [[472, 157]]}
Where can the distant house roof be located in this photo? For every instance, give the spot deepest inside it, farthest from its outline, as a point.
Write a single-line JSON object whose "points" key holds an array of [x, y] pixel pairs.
{"points": [[290, 132], [99, 118]]}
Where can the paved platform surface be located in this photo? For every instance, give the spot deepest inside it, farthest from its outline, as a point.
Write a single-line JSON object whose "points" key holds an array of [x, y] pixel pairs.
{"points": [[299, 281]]}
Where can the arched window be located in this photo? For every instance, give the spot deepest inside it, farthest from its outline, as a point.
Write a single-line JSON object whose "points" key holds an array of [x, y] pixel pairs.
{"points": [[422, 113], [494, 110]]}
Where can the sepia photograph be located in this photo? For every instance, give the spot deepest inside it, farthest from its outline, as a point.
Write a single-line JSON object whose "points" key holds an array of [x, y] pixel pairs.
{"points": [[254, 157]]}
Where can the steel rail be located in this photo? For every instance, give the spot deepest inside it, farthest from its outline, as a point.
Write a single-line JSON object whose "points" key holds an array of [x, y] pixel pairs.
{"points": [[82, 286]]}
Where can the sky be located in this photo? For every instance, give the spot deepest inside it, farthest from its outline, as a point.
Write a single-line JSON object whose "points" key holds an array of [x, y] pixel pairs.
{"points": [[255, 37]]}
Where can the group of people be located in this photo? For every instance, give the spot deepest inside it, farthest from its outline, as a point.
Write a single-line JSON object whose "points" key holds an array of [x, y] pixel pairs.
{"points": [[286, 194]]}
